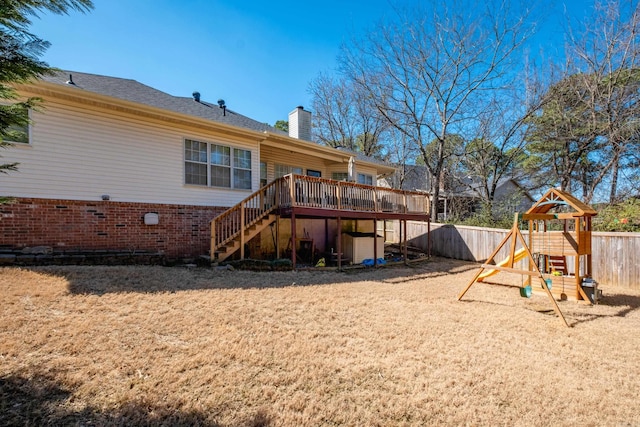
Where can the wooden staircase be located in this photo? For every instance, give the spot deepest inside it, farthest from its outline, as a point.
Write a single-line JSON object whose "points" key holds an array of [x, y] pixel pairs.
{"points": [[239, 224], [226, 250]]}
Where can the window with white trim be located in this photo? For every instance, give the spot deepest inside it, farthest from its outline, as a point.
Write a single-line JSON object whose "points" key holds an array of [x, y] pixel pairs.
{"points": [[242, 169], [340, 176], [282, 170], [215, 165], [263, 174], [365, 179]]}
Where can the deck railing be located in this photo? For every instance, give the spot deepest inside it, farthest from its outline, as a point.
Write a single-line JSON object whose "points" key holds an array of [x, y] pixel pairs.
{"points": [[311, 192], [293, 191]]}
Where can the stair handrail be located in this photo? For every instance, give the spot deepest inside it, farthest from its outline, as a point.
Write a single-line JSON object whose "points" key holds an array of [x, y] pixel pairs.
{"points": [[229, 224]]}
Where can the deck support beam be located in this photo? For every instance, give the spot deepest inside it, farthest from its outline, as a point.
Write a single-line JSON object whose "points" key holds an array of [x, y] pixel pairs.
{"points": [[404, 254], [375, 243], [278, 237], [339, 244], [293, 240]]}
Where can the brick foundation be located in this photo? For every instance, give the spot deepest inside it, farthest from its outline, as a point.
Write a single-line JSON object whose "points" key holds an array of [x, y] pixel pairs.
{"points": [[182, 231]]}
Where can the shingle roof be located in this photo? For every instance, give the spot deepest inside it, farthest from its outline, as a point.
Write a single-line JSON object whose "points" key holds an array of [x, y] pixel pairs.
{"points": [[417, 178], [133, 91]]}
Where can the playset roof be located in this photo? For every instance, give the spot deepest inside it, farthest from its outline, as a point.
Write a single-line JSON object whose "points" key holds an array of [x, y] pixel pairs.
{"points": [[555, 198]]}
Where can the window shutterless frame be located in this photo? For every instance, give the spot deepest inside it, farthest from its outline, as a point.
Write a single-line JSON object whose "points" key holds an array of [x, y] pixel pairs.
{"points": [[216, 165]]}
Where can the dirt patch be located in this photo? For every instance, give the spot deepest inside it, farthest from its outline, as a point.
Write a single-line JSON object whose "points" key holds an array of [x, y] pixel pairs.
{"points": [[392, 346]]}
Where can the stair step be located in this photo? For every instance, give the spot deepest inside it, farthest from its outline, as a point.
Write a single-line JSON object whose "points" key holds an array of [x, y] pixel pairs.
{"points": [[248, 233]]}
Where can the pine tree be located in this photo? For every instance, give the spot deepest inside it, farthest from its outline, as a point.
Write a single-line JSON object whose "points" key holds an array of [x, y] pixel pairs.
{"points": [[20, 51]]}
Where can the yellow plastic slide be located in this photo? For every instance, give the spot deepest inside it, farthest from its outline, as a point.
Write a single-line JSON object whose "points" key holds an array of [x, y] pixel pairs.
{"points": [[517, 256]]}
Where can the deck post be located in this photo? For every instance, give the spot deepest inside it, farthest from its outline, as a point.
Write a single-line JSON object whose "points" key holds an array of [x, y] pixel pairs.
{"points": [[375, 200], [339, 244], [326, 234], [293, 240], [375, 244], [406, 261], [242, 222], [429, 237], [292, 190], [400, 241], [278, 203], [277, 248]]}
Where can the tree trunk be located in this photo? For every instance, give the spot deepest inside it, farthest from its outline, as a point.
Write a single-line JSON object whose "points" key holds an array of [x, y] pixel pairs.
{"points": [[613, 196]]}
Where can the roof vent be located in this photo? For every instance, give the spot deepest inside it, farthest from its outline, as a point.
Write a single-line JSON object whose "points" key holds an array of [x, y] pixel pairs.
{"points": [[70, 81], [222, 105], [196, 96]]}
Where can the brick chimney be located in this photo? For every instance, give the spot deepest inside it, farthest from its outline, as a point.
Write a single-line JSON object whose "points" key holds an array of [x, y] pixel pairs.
{"points": [[300, 124]]}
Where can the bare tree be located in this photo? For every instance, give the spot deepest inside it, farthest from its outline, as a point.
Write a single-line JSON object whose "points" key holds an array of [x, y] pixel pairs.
{"points": [[332, 108], [497, 150], [428, 71], [345, 117]]}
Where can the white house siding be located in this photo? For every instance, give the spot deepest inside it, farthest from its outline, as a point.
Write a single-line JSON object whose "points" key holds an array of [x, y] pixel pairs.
{"points": [[81, 153], [273, 156], [360, 168]]}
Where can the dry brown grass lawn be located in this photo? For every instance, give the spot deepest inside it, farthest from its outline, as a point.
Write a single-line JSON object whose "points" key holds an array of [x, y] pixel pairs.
{"points": [[177, 346]]}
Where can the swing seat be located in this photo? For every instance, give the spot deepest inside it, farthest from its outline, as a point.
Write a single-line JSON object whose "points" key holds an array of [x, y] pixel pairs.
{"points": [[525, 291], [549, 283]]}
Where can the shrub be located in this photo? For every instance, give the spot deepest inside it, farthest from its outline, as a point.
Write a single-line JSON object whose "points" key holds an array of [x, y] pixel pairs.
{"points": [[624, 216]]}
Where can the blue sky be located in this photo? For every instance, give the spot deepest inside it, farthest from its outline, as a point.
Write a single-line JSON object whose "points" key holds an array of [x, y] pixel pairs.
{"points": [[258, 56]]}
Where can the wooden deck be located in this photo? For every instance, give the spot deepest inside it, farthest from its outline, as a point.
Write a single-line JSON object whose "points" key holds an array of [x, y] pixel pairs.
{"points": [[318, 197], [303, 196]]}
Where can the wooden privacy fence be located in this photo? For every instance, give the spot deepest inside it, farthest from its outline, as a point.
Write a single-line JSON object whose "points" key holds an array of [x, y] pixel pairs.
{"points": [[614, 254]]}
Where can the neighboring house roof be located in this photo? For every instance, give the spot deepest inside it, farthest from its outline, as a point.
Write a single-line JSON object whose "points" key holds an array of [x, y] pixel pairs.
{"points": [[417, 178], [131, 90]]}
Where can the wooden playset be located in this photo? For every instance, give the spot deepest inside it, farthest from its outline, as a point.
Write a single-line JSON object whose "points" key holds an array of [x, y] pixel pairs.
{"points": [[556, 252]]}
